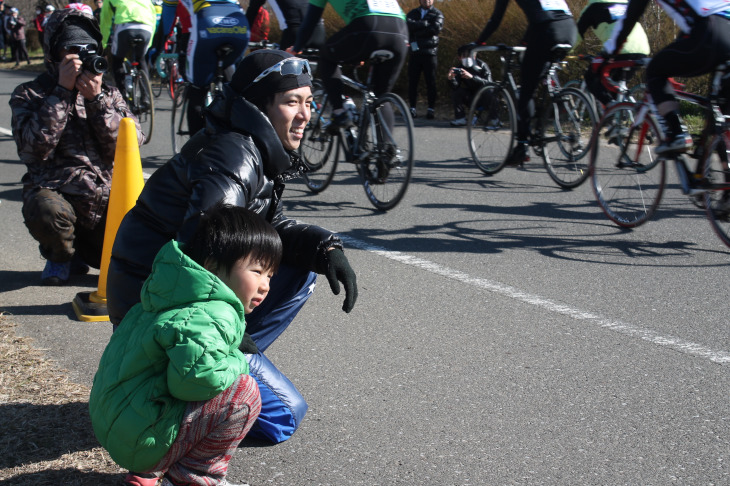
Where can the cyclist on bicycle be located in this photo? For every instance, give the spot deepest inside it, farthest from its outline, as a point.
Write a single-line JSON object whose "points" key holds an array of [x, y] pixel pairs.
{"points": [[602, 16], [370, 26], [290, 15], [212, 24], [121, 22], [702, 44], [549, 23]]}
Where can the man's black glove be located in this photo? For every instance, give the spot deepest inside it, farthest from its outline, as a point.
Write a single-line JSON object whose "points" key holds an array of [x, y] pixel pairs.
{"points": [[338, 270], [247, 345]]}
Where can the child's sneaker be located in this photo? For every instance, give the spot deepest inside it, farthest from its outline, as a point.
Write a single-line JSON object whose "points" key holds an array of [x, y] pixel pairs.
{"points": [[55, 274], [138, 479]]}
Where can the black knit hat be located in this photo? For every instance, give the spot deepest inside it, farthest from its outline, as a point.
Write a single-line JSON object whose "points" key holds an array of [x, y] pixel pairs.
{"points": [[257, 62], [72, 33]]}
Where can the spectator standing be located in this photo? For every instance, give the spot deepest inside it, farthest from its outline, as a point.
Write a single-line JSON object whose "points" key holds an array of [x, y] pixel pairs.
{"points": [[468, 77], [65, 124], [172, 395], [17, 33], [3, 44], [7, 15], [38, 22], [424, 26], [97, 11]]}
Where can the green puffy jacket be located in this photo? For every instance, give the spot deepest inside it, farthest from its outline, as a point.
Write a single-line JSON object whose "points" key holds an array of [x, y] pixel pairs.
{"points": [[180, 344]]}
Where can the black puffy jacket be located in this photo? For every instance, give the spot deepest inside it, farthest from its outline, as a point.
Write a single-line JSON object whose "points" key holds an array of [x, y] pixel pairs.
{"points": [[425, 31], [237, 159]]}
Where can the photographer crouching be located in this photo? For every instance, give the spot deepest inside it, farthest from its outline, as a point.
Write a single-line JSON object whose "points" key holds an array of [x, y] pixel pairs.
{"points": [[65, 125], [468, 77]]}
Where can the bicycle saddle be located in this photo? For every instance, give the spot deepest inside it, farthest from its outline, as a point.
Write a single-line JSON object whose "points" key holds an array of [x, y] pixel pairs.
{"points": [[559, 51], [381, 55]]}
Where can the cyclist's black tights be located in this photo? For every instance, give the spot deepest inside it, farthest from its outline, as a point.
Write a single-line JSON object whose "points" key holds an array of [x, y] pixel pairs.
{"points": [[541, 38], [124, 38], [354, 43], [689, 55]]}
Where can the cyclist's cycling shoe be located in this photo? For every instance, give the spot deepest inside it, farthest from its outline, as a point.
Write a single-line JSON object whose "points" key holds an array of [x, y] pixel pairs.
{"points": [[674, 144], [518, 156], [340, 121]]}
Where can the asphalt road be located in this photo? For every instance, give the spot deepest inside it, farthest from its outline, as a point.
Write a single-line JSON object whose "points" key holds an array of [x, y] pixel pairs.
{"points": [[506, 331]]}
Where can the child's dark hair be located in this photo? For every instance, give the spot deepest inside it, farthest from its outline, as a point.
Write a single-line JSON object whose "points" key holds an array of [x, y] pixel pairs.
{"points": [[227, 233]]}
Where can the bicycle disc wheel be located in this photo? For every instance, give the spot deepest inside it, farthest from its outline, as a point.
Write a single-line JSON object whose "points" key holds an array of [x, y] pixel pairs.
{"points": [[179, 124], [318, 147], [627, 177], [144, 104], [567, 137], [490, 128], [717, 202], [387, 139]]}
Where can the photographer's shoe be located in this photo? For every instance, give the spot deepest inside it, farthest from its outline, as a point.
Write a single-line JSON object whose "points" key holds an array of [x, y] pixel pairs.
{"points": [[55, 274]]}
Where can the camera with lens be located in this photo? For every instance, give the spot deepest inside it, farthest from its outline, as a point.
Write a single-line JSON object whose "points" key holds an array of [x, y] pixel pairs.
{"points": [[92, 62]]}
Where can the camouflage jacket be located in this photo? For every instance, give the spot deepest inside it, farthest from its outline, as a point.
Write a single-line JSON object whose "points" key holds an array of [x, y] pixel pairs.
{"points": [[68, 143]]}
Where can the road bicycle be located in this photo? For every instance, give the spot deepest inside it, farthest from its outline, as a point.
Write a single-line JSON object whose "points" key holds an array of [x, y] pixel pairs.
{"points": [[559, 133], [138, 92], [167, 69], [622, 77], [629, 179], [179, 121], [380, 145]]}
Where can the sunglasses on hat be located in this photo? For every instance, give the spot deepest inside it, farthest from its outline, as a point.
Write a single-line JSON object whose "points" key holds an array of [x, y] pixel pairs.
{"points": [[291, 66], [80, 48]]}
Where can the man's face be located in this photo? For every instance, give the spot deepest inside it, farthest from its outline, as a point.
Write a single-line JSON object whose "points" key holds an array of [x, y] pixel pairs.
{"points": [[426, 3], [99, 4], [289, 114]]}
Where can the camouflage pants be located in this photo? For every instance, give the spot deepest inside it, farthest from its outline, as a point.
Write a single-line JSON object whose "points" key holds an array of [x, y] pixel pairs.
{"points": [[51, 220]]}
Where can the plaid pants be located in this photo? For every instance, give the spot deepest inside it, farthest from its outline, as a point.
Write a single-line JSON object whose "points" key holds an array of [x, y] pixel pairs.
{"points": [[210, 433]]}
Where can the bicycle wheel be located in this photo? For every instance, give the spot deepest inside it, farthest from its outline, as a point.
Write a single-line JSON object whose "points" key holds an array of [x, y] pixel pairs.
{"points": [[179, 124], [143, 104], [175, 83], [317, 149], [627, 177], [490, 128], [156, 81], [567, 136], [717, 203], [387, 139]]}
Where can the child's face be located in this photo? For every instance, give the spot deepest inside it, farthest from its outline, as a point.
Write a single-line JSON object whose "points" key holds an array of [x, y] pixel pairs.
{"points": [[249, 281]]}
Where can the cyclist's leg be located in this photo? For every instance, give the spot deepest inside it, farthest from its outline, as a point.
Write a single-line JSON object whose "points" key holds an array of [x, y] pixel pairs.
{"points": [[118, 52], [698, 53]]}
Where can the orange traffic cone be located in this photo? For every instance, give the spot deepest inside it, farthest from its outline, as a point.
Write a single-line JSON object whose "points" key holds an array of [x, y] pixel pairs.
{"points": [[127, 184]]}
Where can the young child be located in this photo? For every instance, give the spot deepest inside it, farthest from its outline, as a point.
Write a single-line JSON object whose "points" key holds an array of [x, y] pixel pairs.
{"points": [[172, 395]]}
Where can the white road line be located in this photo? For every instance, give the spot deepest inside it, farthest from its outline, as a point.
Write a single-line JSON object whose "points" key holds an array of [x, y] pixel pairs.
{"points": [[675, 343], [5, 131]]}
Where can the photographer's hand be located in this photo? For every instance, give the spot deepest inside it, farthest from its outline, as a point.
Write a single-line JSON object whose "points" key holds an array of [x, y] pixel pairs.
{"points": [[68, 70], [89, 85]]}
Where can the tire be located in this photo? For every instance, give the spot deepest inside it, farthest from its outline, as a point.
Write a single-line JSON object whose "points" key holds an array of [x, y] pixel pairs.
{"points": [[490, 128], [180, 132], [156, 81], [567, 138], [387, 137], [318, 148], [174, 83], [717, 203], [142, 93], [627, 177]]}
